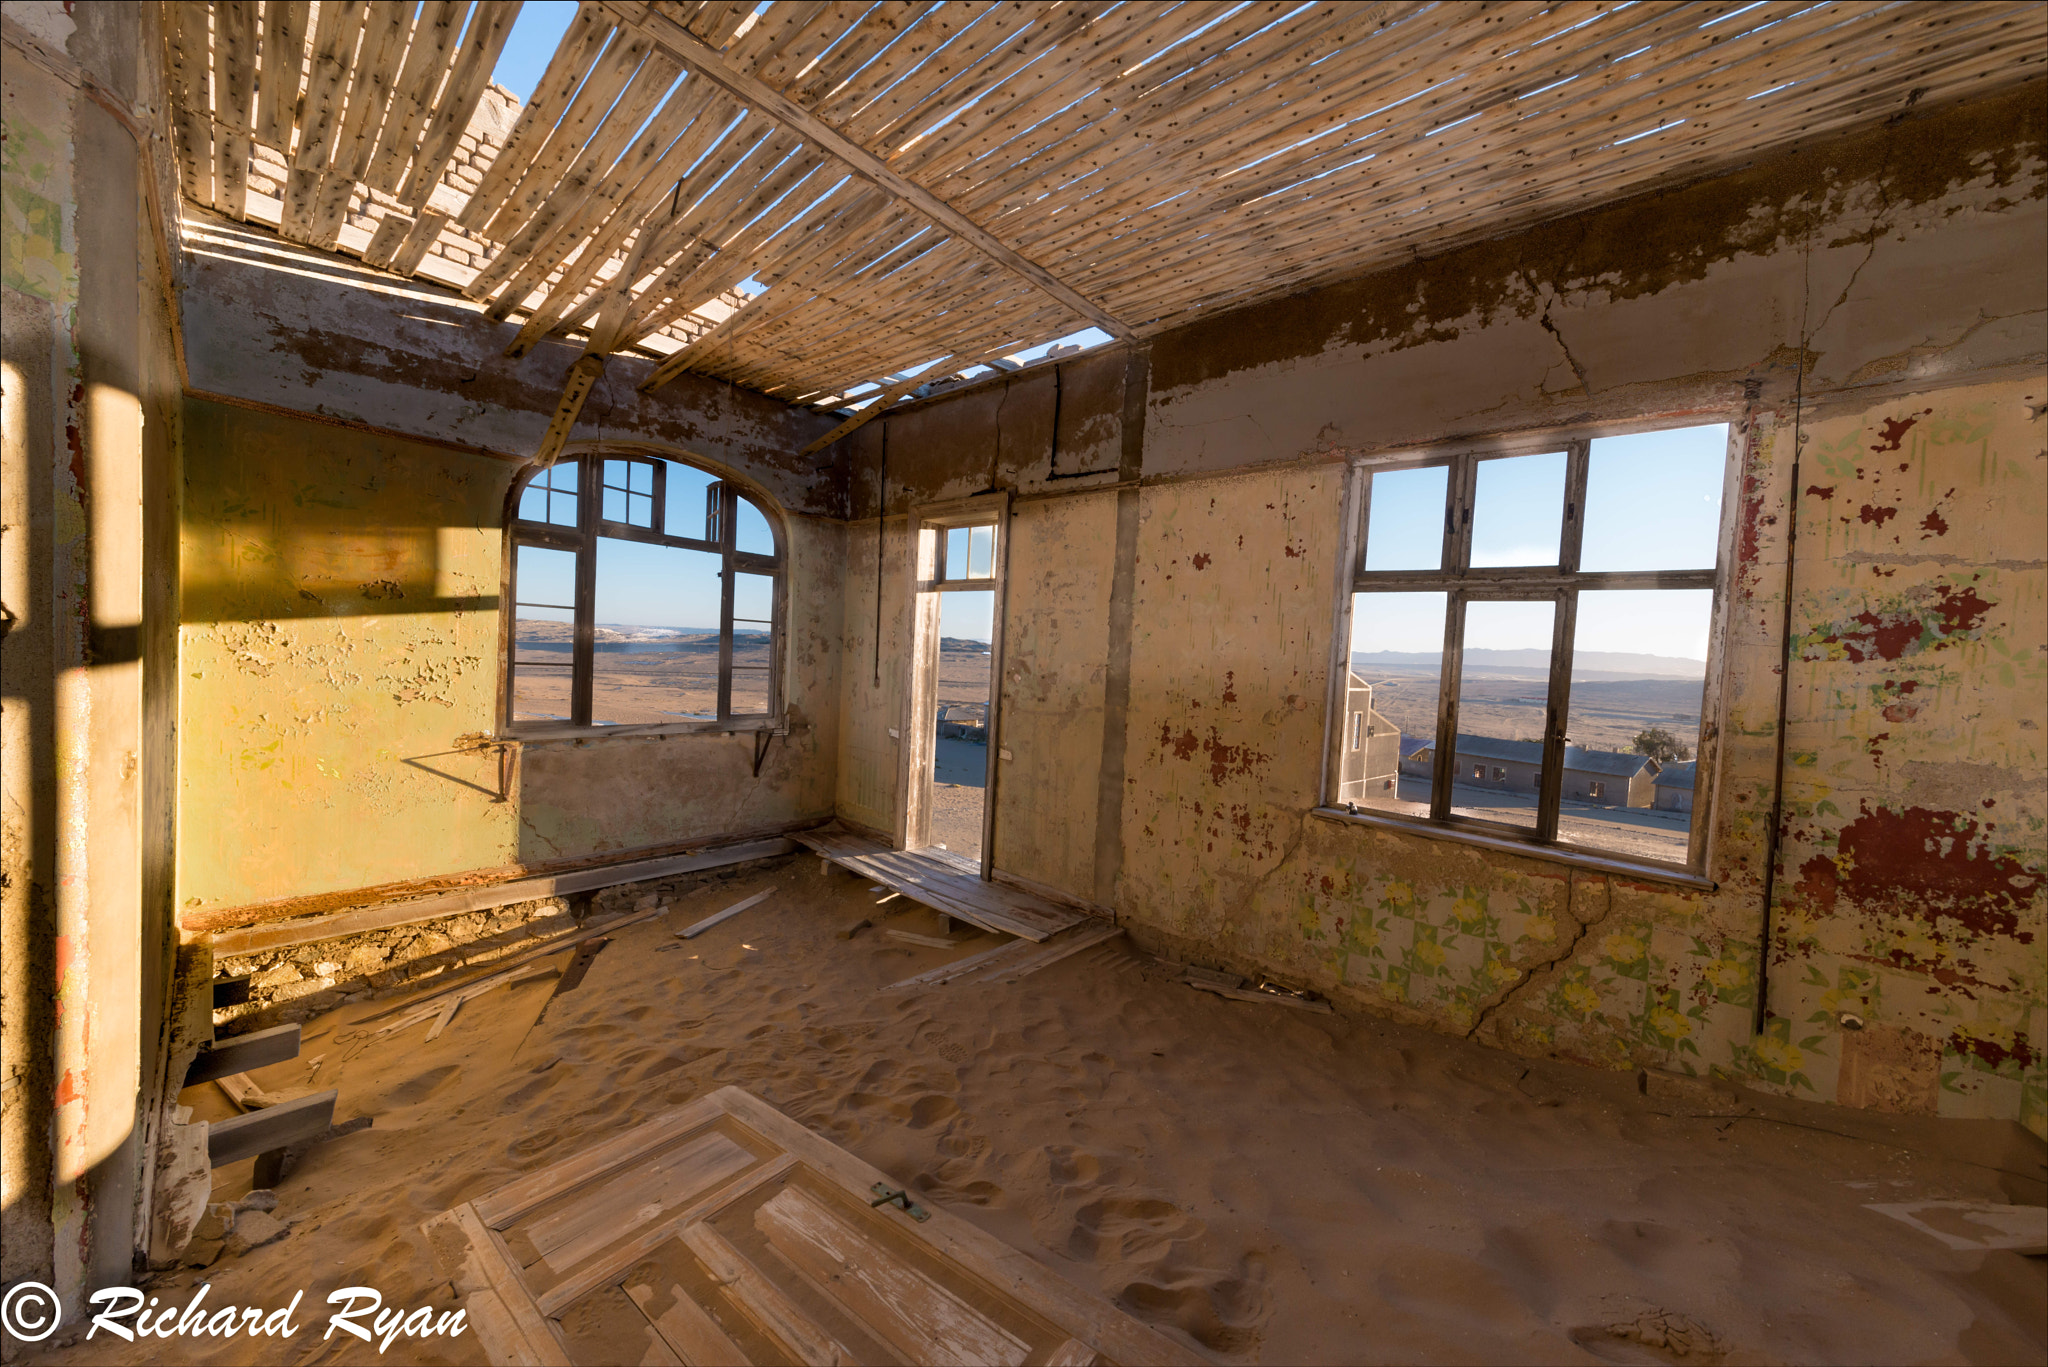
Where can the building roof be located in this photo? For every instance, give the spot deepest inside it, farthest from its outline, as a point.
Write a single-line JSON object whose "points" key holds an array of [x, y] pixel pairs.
{"points": [[1677, 775], [1576, 757], [923, 189], [1410, 744]]}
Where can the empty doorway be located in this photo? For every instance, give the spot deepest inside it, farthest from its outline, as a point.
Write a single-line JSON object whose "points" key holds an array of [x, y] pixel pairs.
{"points": [[952, 727]]}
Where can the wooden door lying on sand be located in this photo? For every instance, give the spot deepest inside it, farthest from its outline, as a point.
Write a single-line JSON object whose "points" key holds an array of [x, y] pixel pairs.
{"points": [[724, 1232]]}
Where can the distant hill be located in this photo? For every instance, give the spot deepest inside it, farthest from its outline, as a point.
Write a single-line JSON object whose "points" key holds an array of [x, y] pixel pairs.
{"points": [[1608, 663]]}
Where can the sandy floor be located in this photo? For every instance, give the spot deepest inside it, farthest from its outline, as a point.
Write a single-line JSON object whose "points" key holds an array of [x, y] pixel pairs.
{"points": [[1274, 1185]]}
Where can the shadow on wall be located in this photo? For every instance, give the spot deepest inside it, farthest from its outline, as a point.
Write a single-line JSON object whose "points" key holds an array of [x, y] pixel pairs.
{"points": [[330, 535]]}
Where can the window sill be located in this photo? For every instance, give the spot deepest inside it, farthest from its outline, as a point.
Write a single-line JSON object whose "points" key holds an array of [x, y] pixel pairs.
{"points": [[531, 734], [1579, 859]]}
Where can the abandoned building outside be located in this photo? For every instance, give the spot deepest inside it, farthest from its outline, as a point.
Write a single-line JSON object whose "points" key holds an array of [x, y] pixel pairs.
{"points": [[1070, 469]]}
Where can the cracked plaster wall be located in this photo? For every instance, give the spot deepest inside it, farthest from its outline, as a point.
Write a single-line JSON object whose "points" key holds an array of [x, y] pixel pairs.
{"points": [[1890, 287]]}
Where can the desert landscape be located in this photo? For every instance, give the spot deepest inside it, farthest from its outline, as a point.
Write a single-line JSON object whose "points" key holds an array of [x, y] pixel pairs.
{"points": [[640, 675]]}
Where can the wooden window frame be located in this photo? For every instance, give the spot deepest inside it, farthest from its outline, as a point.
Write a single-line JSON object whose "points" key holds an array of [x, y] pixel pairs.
{"points": [[722, 523], [1462, 584]]}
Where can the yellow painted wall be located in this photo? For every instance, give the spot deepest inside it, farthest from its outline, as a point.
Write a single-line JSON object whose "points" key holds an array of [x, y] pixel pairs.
{"points": [[340, 644]]}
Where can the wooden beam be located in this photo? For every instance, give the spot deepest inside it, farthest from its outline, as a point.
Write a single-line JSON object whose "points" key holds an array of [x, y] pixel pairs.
{"points": [[699, 57], [257, 1049], [273, 1127], [260, 938], [582, 377]]}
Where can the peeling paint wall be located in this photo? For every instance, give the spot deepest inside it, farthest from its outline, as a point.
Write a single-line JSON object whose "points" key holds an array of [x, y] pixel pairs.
{"points": [[1881, 296], [1911, 894], [341, 662], [88, 479]]}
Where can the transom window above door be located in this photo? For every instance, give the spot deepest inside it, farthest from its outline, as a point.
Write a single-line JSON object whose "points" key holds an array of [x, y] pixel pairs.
{"points": [[647, 594]]}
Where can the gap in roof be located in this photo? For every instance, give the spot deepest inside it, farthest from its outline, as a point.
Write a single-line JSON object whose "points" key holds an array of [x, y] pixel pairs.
{"points": [[536, 33]]}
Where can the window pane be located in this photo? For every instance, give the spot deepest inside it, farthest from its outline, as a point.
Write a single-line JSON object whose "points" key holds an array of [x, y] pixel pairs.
{"points": [[550, 496], [614, 504], [1397, 643], [753, 609], [545, 578], [640, 477], [1639, 667], [686, 503], [981, 552], [1518, 510], [1653, 500], [956, 553], [751, 534], [1503, 700], [1405, 525], [540, 692], [656, 654]]}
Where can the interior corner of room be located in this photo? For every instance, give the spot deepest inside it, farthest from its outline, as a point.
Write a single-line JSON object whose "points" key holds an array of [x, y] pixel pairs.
{"points": [[775, 681]]}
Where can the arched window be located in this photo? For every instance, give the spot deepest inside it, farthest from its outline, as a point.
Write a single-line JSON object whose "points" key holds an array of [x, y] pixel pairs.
{"points": [[646, 592]]}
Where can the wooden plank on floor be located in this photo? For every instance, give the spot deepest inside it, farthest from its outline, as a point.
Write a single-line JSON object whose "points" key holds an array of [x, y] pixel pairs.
{"points": [[917, 1316], [1086, 938], [239, 1054], [274, 1127], [764, 1302], [683, 1324], [944, 887]]}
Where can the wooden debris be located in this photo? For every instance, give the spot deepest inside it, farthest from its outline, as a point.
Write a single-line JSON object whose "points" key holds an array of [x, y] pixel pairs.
{"points": [[911, 937], [242, 1053], [720, 917], [273, 1127], [856, 928], [1086, 938], [724, 1223], [1245, 994]]}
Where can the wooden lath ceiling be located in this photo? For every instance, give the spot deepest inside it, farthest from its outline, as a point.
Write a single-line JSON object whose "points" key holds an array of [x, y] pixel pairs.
{"points": [[919, 183]]}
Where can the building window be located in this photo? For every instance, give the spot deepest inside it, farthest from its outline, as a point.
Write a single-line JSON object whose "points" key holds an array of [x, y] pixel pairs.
{"points": [[1541, 608], [646, 593]]}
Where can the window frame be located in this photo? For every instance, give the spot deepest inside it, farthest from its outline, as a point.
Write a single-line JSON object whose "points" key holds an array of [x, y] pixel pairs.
{"points": [[722, 520], [1462, 584]]}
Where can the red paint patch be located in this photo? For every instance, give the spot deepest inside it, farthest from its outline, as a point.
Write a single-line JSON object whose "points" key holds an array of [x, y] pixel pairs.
{"points": [[1934, 524], [1926, 864], [1926, 620], [1821, 490], [1230, 685], [1993, 1053], [1293, 553], [1892, 431], [1877, 516], [1200, 562]]}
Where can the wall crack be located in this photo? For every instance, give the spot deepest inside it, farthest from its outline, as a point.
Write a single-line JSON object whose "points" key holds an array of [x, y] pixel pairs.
{"points": [[1529, 976]]}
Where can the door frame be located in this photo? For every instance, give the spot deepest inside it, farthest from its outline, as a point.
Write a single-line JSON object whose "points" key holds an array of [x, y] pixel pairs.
{"points": [[919, 721]]}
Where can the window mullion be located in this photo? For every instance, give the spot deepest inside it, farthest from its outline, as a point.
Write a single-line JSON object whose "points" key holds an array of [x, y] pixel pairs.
{"points": [[1560, 708], [583, 656], [1563, 633], [1442, 772], [728, 516]]}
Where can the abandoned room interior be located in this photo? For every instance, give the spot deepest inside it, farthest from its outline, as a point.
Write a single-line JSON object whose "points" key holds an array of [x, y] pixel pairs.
{"points": [[938, 681]]}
